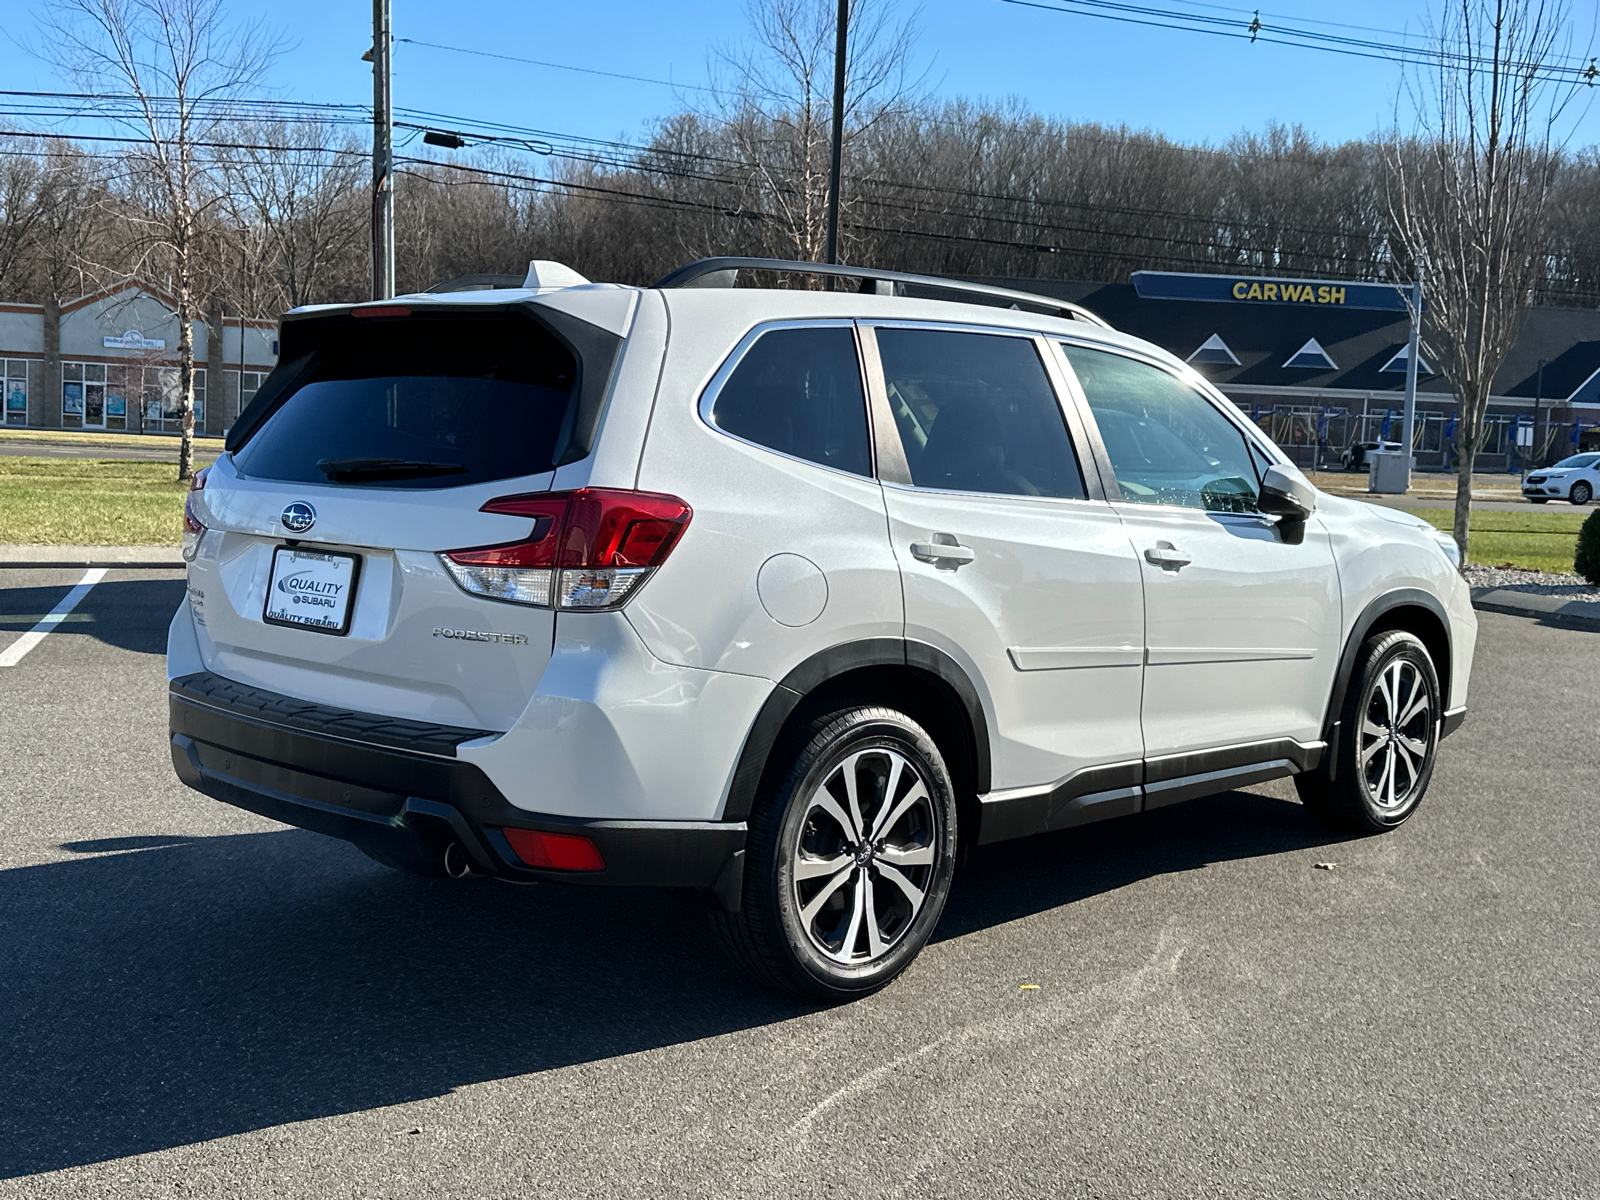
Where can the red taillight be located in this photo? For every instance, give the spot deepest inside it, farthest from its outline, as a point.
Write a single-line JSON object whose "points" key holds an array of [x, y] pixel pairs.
{"points": [[555, 851], [588, 549], [607, 527]]}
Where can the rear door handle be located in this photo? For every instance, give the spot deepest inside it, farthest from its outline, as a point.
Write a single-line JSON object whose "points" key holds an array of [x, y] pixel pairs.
{"points": [[1167, 556], [942, 554]]}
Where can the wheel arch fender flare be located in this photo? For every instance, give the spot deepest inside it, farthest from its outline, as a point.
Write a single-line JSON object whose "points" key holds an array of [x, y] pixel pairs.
{"points": [[1382, 611], [827, 665]]}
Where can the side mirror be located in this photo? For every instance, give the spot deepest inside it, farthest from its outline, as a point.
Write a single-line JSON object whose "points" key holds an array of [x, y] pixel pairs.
{"points": [[1287, 493], [1289, 496]]}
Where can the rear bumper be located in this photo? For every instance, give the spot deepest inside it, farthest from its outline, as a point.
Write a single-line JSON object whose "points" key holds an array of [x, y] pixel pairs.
{"points": [[291, 762]]}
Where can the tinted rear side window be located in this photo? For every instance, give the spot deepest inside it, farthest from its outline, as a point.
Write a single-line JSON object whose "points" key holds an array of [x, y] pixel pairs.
{"points": [[976, 413], [421, 403], [798, 391]]}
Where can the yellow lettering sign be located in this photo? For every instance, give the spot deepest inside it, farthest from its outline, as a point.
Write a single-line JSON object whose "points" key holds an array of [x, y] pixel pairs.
{"points": [[1254, 293], [1269, 291], [1336, 295], [1239, 290]]}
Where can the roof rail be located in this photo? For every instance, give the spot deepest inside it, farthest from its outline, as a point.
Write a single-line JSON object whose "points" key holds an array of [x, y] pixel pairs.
{"points": [[724, 272]]}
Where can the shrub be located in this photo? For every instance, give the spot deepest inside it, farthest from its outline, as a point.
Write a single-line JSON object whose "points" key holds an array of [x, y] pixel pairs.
{"points": [[1586, 560]]}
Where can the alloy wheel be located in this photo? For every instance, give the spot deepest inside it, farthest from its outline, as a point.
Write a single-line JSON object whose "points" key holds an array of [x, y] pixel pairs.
{"points": [[864, 856], [1396, 736]]}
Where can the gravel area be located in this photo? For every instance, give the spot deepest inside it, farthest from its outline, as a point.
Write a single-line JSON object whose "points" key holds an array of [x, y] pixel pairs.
{"points": [[1537, 583]]}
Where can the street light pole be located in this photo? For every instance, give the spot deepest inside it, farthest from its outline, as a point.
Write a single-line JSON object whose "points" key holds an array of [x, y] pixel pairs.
{"points": [[838, 130], [382, 155]]}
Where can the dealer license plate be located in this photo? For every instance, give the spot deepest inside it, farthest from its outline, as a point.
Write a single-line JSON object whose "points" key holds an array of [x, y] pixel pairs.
{"points": [[311, 589]]}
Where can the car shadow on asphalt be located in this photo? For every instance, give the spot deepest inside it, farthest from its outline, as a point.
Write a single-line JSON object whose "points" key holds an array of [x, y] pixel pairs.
{"points": [[1003, 882], [164, 991], [130, 614]]}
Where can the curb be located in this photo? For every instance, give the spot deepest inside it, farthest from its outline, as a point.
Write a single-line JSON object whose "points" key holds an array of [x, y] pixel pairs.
{"points": [[1548, 610], [81, 557]]}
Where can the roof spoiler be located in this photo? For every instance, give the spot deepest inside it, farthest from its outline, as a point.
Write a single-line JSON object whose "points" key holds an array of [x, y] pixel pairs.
{"points": [[724, 272]]}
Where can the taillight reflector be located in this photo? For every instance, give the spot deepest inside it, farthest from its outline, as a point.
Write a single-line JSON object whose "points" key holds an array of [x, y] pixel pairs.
{"points": [[555, 851], [192, 525]]}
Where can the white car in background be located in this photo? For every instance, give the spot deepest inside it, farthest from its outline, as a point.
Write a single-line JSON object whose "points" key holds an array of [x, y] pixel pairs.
{"points": [[783, 595], [1575, 479]]}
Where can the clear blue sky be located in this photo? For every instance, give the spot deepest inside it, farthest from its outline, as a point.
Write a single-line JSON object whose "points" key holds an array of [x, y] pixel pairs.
{"points": [[1188, 86]]}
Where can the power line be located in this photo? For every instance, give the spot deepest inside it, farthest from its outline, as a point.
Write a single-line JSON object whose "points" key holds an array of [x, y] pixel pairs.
{"points": [[535, 62], [1255, 30]]}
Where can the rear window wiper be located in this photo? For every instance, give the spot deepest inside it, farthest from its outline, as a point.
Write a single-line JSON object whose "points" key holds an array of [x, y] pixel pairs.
{"points": [[352, 470]]}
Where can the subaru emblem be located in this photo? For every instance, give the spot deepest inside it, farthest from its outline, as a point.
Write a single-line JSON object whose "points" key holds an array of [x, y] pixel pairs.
{"points": [[299, 517]]}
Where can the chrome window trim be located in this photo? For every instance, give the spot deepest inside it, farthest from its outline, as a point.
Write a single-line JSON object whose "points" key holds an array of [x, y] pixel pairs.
{"points": [[713, 388], [930, 491]]}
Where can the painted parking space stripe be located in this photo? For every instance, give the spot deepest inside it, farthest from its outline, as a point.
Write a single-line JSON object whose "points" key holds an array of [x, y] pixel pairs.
{"points": [[18, 650]]}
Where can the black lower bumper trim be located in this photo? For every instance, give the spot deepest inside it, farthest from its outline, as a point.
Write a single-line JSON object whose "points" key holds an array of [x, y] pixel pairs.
{"points": [[411, 807]]}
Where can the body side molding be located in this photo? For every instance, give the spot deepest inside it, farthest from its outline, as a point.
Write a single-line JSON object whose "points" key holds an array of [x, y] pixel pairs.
{"points": [[1121, 789]]}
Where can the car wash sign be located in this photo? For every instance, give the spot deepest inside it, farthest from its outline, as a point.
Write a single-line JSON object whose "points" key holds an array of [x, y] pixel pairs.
{"points": [[1251, 289]]}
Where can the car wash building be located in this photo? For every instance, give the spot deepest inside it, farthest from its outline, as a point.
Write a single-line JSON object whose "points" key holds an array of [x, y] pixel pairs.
{"points": [[109, 361], [1321, 364]]}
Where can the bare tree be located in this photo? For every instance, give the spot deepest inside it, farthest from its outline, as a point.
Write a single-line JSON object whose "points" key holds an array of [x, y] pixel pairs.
{"points": [[1469, 192], [775, 102], [295, 210], [180, 61]]}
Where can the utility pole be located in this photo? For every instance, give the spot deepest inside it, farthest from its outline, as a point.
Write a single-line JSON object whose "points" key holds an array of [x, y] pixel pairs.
{"points": [[382, 155], [838, 131], [1413, 352]]}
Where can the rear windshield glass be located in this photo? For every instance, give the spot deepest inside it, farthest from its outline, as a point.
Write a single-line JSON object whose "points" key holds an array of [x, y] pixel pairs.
{"points": [[420, 402]]}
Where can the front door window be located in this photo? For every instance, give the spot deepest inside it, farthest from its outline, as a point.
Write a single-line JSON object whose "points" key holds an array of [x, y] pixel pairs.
{"points": [[1166, 442]]}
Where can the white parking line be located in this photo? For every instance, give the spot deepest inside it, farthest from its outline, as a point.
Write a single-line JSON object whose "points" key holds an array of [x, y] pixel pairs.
{"points": [[18, 650]]}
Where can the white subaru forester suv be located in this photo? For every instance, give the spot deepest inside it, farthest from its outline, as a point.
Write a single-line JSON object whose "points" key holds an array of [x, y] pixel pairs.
{"points": [[784, 595]]}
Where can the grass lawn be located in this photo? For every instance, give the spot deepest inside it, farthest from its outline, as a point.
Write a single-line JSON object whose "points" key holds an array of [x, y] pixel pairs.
{"points": [[89, 502], [1536, 541], [100, 437]]}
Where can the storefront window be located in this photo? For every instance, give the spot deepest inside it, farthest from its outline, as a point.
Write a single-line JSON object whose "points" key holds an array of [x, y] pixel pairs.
{"points": [[14, 387], [94, 396]]}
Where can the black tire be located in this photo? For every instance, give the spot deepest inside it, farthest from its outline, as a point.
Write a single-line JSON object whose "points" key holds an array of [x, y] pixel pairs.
{"points": [[879, 929], [1361, 796], [1580, 494]]}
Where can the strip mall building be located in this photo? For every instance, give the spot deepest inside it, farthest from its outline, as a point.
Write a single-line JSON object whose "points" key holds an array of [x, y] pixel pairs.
{"points": [[109, 361]]}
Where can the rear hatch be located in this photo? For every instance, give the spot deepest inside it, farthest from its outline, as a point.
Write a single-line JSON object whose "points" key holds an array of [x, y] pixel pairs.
{"points": [[371, 449]]}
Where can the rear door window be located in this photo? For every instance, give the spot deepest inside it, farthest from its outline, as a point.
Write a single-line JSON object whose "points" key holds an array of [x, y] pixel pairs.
{"points": [[976, 413], [798, 391], [421, 402]]}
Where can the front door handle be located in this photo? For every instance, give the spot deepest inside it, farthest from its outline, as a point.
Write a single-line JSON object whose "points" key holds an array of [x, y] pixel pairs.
{"points": [[943, 551], [1167, 556]]}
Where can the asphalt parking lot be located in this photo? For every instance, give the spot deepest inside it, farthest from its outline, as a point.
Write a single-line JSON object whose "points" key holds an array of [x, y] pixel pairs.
{"points": [[196, 1001]]}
